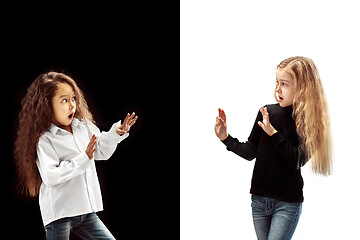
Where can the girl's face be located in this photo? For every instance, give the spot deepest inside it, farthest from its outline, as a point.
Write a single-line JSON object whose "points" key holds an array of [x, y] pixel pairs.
{"points": [[64, 106], [285, 90]]}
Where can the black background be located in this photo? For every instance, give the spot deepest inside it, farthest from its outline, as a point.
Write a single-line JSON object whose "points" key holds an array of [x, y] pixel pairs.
{"points": [[125, 58]]}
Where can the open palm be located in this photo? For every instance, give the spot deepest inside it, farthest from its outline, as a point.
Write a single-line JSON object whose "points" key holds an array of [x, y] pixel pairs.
{"points": [[265, 124], [220, 125], [127, 124]]}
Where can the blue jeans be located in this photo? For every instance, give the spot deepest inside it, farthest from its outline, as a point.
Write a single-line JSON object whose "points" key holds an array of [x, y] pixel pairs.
{"points": [[273, 219], [88, 226]]}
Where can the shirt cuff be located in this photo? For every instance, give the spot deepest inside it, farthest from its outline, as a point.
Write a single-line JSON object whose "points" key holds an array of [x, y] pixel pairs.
{"points": [[114, 135], [227, 140], [82, 160]]}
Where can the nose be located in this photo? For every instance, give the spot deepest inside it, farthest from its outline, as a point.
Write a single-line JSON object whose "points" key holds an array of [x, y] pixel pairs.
{"points": [[72, 105], [277, 89]]}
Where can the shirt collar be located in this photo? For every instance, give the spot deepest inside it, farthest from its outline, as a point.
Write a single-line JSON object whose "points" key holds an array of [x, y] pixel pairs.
{"points": [[54, 129]]}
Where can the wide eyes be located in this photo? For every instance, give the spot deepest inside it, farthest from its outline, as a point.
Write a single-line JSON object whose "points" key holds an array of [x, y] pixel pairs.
{"points": [[282, 83], [65, 100]]}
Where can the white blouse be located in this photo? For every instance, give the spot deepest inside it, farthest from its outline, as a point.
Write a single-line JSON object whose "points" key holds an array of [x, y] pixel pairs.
{"points": [[70, 185]]}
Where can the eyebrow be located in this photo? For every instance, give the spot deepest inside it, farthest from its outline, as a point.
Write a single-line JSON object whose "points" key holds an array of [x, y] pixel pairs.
{"points": [[283, 80], [65, 95]]}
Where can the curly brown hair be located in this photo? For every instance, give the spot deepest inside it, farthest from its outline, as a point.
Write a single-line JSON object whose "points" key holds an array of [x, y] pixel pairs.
{"points": [[34, 119]]}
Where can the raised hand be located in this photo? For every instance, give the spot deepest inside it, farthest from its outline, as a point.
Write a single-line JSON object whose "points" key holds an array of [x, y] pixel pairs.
{"points": [[91, 147], [265, 124], [220, 125], [128, 122]]}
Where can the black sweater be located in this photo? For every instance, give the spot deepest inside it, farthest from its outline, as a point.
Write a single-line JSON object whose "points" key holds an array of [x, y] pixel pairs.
{"points": [[278, 158]]}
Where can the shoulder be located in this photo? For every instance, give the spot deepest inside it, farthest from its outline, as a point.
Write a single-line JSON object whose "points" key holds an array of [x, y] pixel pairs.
{"points": [[45, 138], [82, 123], [89, 126], [86, 122], [273, 107]]}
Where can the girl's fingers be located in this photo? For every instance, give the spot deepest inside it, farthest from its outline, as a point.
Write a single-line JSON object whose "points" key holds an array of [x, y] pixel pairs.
{"points": [[126, 118], [222, 114], [133, 122], [129, 118], [92, 151], [217, 123], [91, 147], [92, 142], [264, 113], [121, 131], [262, 110], [132, 118], [219, 120]]}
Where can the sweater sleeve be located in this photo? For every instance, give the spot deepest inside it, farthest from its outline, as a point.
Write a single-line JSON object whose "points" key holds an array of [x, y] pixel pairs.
{"points": [[246, 149], [292, 155]]}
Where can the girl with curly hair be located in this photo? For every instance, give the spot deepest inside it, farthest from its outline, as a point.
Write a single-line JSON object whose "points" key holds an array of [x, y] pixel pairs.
{"points": [[56, 145], [284, 138]]}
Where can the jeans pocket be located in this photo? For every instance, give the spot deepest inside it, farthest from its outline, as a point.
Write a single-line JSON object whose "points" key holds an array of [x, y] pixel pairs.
{"points": [[257, 200], [258, 204], [291, 211], [59, 229]]}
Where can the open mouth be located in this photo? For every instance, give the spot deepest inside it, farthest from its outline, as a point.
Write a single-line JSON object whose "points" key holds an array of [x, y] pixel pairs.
{"points": [[280, 98], [71, 115]]}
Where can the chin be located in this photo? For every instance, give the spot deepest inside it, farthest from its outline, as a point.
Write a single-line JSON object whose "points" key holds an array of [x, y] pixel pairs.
{"points": [[285, 105]]}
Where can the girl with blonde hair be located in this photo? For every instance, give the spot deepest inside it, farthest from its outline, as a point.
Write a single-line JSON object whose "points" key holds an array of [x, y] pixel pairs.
{"points": [[284, 138]]}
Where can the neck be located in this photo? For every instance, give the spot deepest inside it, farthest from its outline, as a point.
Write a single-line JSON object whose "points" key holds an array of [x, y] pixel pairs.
{"points": [[67, 128]]}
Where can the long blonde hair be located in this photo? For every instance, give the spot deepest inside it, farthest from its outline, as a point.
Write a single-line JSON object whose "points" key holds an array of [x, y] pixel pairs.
{"points": [[310, 113]]}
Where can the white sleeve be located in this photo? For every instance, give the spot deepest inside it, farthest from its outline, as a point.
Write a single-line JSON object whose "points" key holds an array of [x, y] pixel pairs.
{"points": [[52, 170], [106, 141]]}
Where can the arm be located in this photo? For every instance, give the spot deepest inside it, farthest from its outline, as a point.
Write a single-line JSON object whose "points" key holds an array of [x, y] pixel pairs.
{"points": [[246, 149], [107, 141], [283, 146], [52, 170], [288, 152]]}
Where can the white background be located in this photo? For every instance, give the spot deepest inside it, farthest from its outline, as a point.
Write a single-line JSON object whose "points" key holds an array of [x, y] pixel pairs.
{"points": [[229, 52]]}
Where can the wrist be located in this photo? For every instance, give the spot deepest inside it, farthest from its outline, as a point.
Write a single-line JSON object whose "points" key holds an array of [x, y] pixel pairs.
{"points": [[224, 137], [273, 132]]}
